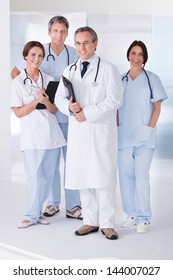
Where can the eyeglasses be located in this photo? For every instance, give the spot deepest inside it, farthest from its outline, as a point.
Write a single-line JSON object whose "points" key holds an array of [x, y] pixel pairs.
{"points": [[85, 43]]}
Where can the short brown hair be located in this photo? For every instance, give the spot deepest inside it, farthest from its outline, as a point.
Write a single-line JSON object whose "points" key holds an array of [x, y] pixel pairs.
{"points": [[30, 45]]}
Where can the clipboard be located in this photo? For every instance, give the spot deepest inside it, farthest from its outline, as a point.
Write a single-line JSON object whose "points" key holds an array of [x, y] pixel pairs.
{"points": [[69, 86], [50, 91]]}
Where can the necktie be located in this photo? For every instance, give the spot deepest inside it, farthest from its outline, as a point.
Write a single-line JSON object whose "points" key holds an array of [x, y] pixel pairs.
{"points": [[85, 65]]}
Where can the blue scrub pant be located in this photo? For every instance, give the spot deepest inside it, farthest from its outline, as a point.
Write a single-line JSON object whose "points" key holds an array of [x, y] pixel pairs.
{"points": [[134, 165], [39, 170], [72, 197]]}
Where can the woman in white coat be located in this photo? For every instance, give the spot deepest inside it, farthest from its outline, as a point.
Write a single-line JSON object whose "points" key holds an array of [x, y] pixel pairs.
{"points": [[92, 135], [138, 116], [41, 135]]}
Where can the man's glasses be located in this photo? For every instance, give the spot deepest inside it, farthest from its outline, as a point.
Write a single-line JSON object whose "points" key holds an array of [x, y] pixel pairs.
{"points": [[85, 43]]}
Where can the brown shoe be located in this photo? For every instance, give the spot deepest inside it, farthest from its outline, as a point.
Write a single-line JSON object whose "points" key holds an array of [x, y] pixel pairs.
{"points": [[75, 213], [51, 210], [86, 229], [110, 233]]}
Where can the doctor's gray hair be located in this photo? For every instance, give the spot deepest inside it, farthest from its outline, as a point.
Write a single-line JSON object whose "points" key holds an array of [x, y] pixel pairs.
{"points": [[87, 29], [59, 19]]}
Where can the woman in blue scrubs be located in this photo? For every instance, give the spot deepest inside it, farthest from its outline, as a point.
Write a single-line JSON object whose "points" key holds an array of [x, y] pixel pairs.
{"points": [[137, 119]]}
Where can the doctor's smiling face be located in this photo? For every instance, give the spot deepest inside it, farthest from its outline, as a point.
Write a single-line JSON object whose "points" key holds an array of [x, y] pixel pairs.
{"points": [[33, 53], [136, 57], [58, 30], [137, 54], [86, 44], [34, 57], [58, 33]]}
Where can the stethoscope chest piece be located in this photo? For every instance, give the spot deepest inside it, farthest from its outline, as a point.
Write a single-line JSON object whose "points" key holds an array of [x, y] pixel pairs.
{"points": [[94, 84]]}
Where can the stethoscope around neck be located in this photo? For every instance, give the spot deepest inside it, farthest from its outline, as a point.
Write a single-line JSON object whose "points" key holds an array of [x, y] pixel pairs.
{"points": [[94, 83], [30, 80], [53, 57], [151, 92]]}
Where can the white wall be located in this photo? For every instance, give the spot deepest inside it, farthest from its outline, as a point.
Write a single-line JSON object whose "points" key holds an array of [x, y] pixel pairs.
{"points": [[117, 32], [5, 144], [117, 22], [34, 26], [162, 62], [123, 7]]}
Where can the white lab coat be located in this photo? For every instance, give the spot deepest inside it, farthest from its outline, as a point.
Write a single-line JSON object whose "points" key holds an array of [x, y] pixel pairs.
{"points": [[92, 145], [39, 129]]}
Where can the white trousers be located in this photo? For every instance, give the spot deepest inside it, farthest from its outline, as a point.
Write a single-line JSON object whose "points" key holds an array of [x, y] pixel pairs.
{"points": [[134, 165], [98, 206], [39, 169]]}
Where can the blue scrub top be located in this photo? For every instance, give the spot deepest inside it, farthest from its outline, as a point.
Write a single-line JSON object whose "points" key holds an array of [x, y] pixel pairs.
{"points": [[135, 113]]}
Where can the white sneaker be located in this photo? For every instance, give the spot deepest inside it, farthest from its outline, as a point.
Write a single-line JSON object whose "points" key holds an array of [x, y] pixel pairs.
{"points": [[129, 222], [42, 220], [25, 224], [143, 227]]}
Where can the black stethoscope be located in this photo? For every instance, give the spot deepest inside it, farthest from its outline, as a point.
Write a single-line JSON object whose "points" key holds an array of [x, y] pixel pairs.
{"points": [[53, 57], [30, 80], [151, 92], [94, 83]]}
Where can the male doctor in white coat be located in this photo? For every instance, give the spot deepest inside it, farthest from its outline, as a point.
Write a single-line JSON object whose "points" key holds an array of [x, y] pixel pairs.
{"points": [[92, 135]]}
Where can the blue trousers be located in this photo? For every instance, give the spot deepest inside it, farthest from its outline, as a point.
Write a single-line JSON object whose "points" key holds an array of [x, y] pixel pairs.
{"points": [[72, 197], [134, 165], [39, 170]]}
